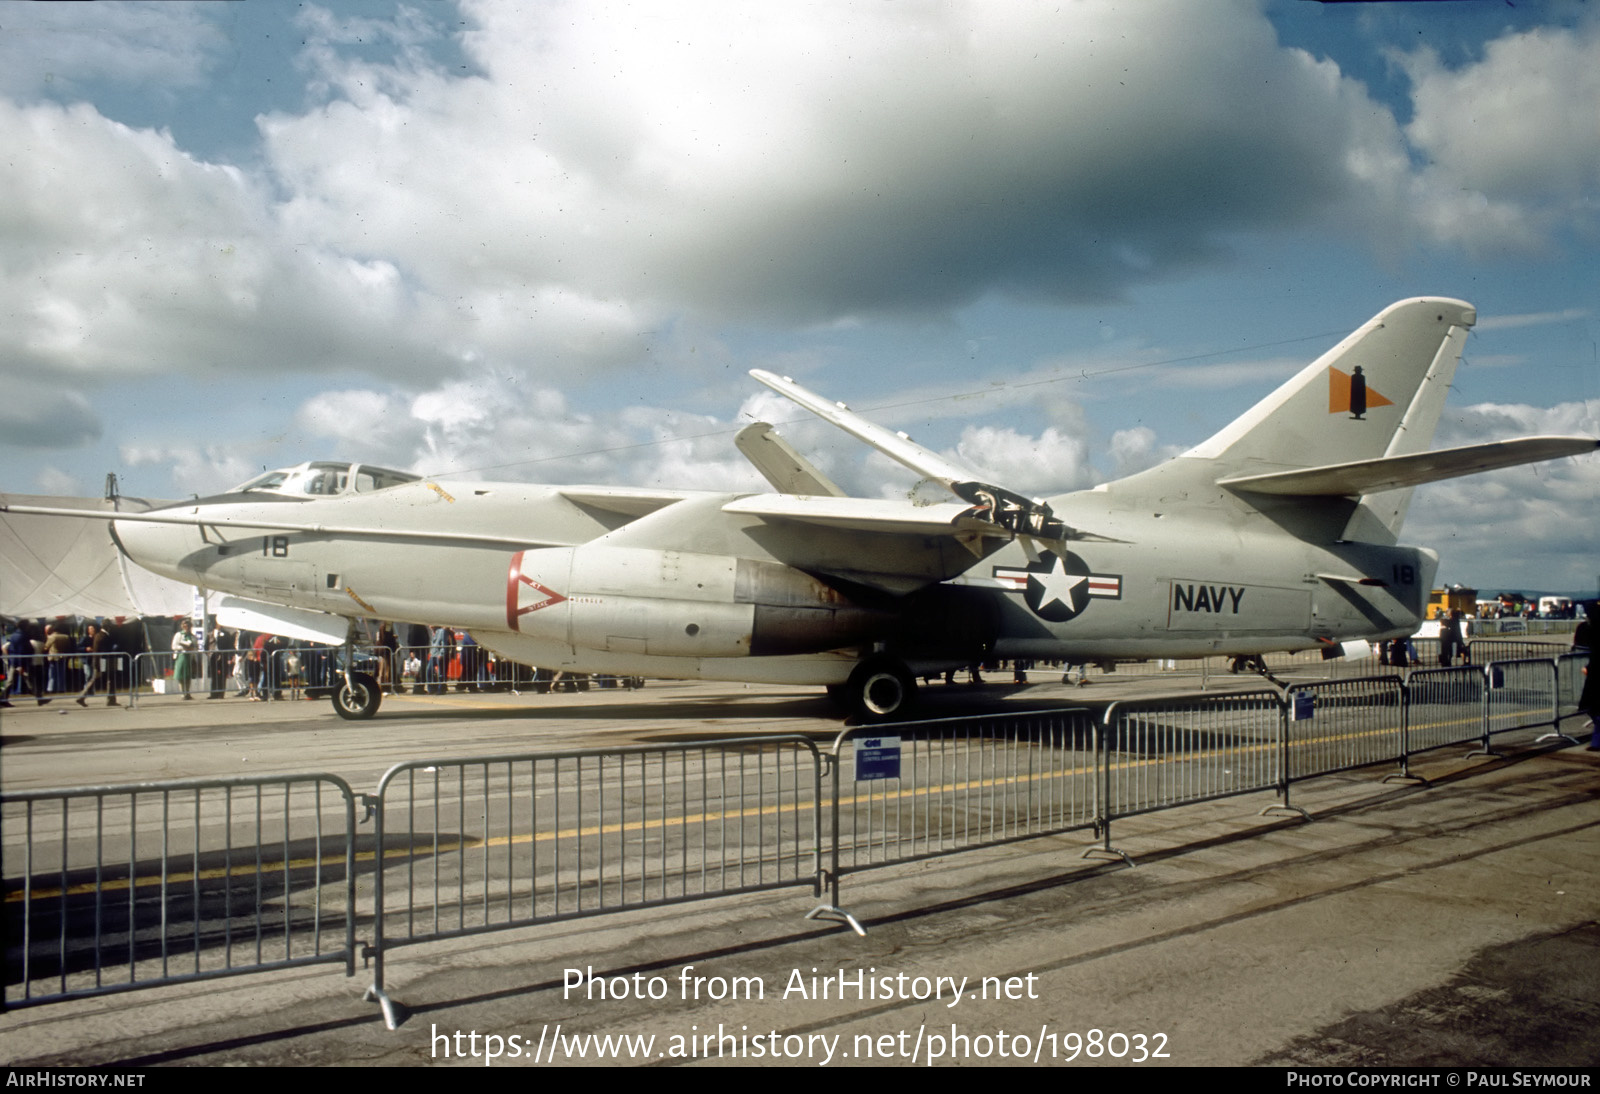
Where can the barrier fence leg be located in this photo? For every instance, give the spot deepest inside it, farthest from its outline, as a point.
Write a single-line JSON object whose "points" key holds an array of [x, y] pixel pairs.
{"points": [[1105, 851], [1404, 774], [1102, 821], [1283, 808], [828, 879], [394, 1012], [833, 912], [1484, 748], [1556, 732]]}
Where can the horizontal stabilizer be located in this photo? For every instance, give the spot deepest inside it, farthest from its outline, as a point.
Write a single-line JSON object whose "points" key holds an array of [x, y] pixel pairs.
{"points": [[779, 463], [1394, 472]]}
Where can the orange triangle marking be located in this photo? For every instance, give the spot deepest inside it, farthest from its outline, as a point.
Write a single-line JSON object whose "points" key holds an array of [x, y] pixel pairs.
{"points": [[1339, 393]]}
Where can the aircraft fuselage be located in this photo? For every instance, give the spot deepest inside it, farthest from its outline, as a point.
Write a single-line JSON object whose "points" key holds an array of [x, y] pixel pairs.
{"points": [[588, 590]]}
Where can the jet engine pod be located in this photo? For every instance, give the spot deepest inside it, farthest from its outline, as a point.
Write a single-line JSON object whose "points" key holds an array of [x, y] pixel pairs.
{"points": [[680, 604], [668, 603], [795, 613]]}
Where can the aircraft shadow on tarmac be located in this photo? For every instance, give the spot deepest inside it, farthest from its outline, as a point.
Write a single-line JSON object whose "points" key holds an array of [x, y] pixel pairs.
{"points": [[217, 910], [952, 701]]}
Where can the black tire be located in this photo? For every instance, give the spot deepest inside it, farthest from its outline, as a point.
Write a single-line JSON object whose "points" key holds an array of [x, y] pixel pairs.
{"points": [[358, 699], [881, 688]]}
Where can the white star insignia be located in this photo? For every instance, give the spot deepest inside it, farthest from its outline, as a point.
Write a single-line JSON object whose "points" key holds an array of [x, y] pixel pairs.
{"points": [[1058, 585]]}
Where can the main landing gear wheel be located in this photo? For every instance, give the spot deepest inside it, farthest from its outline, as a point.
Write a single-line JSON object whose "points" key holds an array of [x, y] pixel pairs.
{"points": [[357, 698], [881, 688]]}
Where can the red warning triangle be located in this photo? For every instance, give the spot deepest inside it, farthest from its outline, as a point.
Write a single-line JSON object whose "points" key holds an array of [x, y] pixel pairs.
{"points": [[516, 580], [1339, 393]]}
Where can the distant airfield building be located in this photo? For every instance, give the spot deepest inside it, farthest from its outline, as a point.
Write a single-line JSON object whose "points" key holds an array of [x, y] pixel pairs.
{"points": [[1441, 602]]}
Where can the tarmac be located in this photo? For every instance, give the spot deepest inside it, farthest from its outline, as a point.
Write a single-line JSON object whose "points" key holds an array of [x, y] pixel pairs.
{"points": [[1455, 923]]}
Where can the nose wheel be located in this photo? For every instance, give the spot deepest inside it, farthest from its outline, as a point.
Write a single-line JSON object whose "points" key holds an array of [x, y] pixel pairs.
{"points": [[357, 696]]}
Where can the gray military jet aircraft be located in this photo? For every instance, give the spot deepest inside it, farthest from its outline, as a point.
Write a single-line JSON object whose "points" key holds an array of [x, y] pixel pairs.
{"points": [[1279, 533]]}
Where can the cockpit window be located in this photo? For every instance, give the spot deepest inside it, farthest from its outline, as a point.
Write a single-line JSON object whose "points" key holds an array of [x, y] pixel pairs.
{"points": [[272, 480], [325, 479], [368, 479]]}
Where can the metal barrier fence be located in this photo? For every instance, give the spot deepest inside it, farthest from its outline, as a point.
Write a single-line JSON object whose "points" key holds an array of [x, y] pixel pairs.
{"points": [[1422, 651], [1343, 725], [1521, 694], [1163, 753], [488, 843], [1571, 669], [281, 672], [473, 668], [112, 888], [956, 784], [1443, 707], [1485, 650], [44, 678]]}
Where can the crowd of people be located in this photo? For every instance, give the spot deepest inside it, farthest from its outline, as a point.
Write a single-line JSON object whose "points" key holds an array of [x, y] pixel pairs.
{"points": [[57, 660], [52, 662]]}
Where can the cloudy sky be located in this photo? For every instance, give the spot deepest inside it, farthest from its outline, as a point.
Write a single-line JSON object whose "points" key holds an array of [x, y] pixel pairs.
{"points": [[545, 241]]}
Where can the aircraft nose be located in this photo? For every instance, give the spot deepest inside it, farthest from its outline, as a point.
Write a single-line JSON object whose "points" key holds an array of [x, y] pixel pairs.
{"points": [[159, 548]]}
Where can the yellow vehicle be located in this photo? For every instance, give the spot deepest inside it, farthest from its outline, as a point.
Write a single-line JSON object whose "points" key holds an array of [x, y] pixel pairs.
{"points": [[1441, 602]]}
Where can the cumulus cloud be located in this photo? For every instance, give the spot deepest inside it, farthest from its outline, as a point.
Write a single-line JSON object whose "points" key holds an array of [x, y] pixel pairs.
{"points": [[38, 414], [1051, 463], [52, 480], [810, 163], [60, 47], [494, 426], [599, 172], [1542, 509], [1498, 421], [1510, 143], [125, 256], [1134, 450], [195, 469]]}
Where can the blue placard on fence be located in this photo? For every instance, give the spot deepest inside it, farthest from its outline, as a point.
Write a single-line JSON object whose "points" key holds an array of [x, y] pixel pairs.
{"points": [[877, 758], [1305, 705]]}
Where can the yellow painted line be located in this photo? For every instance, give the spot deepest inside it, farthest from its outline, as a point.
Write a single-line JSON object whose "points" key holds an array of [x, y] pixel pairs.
{"points": [[444, 847]]}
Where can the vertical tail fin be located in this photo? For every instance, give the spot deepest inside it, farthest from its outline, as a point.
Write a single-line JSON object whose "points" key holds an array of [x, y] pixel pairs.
{"points": [[1377, 393]]}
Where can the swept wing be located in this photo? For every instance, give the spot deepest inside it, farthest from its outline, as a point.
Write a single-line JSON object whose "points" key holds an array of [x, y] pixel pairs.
{"points": [[1002, 508]]}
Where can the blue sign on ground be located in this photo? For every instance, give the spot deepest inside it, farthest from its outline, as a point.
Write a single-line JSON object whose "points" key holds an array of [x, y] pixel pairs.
{"points": [[878, 758]]}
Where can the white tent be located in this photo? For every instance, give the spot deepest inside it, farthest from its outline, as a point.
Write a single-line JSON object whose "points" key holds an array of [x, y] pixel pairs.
{"points": [[55, 566]]}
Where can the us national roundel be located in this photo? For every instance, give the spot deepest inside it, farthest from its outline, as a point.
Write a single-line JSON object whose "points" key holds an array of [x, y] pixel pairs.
{"points": [[1059, 586]]}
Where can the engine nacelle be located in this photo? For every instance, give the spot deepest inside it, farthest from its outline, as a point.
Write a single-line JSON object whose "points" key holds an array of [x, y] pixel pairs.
{"points": [[679, 604]]}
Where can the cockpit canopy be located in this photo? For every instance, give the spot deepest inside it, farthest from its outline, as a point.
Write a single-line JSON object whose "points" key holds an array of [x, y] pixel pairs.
{"points": [[325, 478]]}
